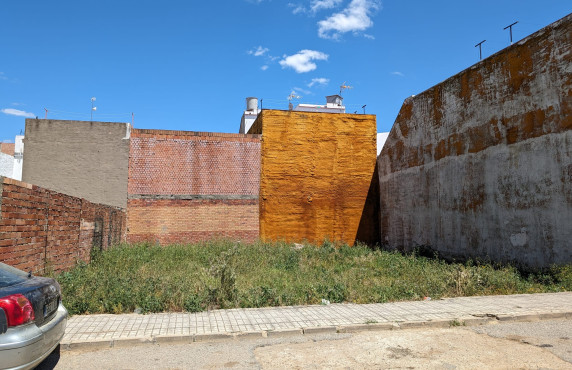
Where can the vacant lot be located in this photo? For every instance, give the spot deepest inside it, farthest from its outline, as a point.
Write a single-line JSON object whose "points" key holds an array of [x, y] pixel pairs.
{"points": [[223, 274]]}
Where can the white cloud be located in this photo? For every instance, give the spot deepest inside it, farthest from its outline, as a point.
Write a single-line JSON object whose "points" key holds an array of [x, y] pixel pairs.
{"points": [[368, 36], [264, 67], [315, 6], [303, 61], [3, 76], [397, 73], [355, 18], [17, 112], [318, 5], [298, 90], [319, 81], [258, 51], [297, 8]]}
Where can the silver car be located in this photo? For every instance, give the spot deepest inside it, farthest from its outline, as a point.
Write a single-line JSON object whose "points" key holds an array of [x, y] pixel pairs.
{"points": [[32, 318]]}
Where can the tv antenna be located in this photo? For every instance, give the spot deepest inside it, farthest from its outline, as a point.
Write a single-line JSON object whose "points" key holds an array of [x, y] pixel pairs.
{"points": [[510, 27], [345, 87], [480, 50], [92, 108], [46, 109], [290, 97]]}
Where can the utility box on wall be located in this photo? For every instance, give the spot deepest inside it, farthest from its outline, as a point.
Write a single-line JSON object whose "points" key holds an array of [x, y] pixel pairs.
{"points": [[315, 176]]}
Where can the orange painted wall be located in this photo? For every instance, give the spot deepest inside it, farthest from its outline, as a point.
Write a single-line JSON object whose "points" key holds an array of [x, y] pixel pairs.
{"points": [[316, 171]]}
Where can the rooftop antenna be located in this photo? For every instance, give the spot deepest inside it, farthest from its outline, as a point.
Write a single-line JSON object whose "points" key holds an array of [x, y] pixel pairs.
{"points": [[46, 109], [363, 106], [480, 50], [92, 107], [344, 87], [510, 27], [290, 97]]}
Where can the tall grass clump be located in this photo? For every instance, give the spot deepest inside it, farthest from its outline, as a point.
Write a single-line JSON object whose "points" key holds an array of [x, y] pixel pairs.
{"points": [[225, 274]]}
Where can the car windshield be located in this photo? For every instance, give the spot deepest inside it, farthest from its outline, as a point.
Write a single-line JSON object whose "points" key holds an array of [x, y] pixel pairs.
{"points": [[10, 275]]}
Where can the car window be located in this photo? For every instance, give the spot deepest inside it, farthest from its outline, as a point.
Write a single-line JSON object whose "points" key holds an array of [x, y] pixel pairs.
{"points": [[10, 275]]}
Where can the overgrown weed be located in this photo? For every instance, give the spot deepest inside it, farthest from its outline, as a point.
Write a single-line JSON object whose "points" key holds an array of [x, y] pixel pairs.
{"points": [[226, 274]]}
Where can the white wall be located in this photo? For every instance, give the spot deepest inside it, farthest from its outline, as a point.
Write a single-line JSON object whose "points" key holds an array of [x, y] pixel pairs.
{"points": [[18, 158], [6, 165], [381, 138]]}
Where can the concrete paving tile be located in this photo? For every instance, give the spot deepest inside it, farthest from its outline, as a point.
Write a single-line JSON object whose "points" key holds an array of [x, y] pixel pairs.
{"points": [[519, 307]]}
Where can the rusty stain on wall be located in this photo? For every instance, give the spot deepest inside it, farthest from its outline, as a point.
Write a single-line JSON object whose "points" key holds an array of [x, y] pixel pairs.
{"points": [[481, 164], [316, 172]]}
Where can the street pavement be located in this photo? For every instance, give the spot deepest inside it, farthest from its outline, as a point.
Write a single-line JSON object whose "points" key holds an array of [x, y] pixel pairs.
{"points": [[109, 331]]}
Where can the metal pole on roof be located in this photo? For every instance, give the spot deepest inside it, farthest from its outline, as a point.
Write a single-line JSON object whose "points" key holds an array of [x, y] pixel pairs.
{"points": [[510, 27], [480, 51]]}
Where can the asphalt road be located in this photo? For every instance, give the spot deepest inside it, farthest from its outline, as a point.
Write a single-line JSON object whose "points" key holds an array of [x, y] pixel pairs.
{"points": [[531, 345]]}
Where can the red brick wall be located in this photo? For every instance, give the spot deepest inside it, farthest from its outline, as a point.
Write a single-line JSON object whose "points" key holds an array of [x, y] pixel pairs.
{"points": [[41, 229], [7, 148], [192, 186]]}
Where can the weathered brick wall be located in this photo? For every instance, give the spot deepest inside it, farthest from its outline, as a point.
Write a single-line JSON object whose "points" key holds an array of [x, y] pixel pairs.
{"points": [[317, 169], [41, 229], [192, 186], [481, 164]]}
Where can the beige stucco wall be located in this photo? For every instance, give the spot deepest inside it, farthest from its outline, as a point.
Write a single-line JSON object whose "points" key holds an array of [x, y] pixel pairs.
{"points": [[83, 159]]}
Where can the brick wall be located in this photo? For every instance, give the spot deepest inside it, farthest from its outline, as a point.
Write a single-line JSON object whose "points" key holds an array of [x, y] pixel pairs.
{"points": [[316, 176], [41, 229], [7, 148], [191, 186], [481, 164]]}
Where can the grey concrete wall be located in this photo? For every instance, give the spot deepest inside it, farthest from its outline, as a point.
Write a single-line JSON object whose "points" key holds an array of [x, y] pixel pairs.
{"points": [[481, 164], [83, 159]]}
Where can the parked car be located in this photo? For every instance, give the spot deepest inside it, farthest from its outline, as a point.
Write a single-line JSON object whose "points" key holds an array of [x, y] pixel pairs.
{"points": [[32, 318]]}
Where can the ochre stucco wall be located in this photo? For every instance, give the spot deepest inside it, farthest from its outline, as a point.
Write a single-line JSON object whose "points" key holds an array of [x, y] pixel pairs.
{"points": [[316, 171], [481, 164]]}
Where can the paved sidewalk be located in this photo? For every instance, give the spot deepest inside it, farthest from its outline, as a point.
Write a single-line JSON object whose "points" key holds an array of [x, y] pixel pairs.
{"points": [[115, 330]]}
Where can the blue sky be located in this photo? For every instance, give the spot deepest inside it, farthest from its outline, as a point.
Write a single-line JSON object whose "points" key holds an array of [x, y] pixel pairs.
{"points": [[189, 65]]}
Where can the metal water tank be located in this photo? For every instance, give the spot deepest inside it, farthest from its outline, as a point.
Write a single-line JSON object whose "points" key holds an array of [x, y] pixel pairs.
{"points": [[251, 104]]}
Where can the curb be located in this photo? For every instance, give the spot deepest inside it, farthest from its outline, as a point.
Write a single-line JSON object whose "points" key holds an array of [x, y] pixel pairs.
{"points": [[284, 332], [475, 320]]}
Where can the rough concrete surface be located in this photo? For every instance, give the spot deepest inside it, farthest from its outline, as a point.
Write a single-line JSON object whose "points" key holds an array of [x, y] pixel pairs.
{"points": [[545, 344], [481, 164]]}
